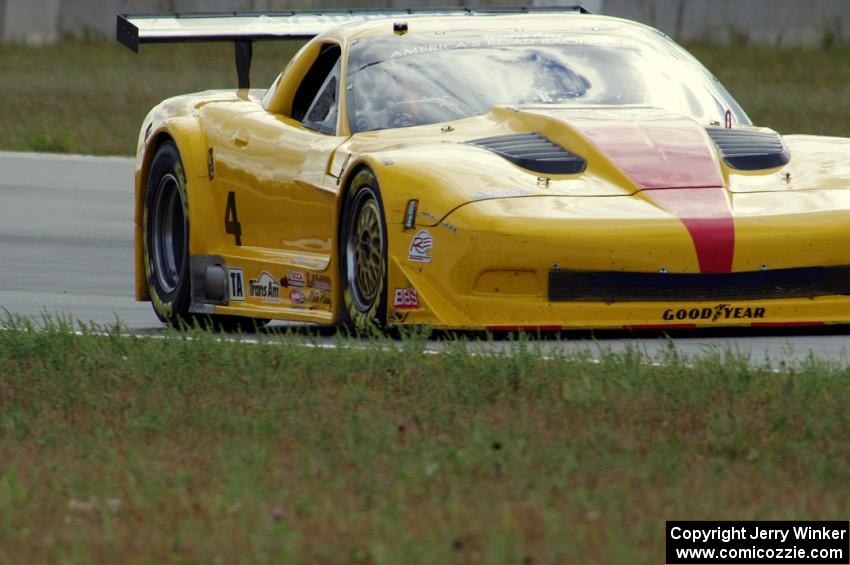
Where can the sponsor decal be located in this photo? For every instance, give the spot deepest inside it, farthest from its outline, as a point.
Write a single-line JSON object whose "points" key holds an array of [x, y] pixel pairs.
{"points": [[421, 243], [405, 299], [295, 278], [236, 284], [718, 312], [297, 297], [319, 297], [502, 40], [319, 282], [265, 287], [508, 193]]}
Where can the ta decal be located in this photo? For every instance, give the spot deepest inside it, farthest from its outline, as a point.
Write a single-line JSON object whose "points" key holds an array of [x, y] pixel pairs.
{"points": [[236, 284]]}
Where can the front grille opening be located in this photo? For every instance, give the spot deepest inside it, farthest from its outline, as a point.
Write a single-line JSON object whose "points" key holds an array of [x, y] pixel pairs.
{"points": [[616, 286]]}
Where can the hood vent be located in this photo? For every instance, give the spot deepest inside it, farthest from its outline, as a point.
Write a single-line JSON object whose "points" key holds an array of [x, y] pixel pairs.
{"points": [[534, 152], [750, 150]]}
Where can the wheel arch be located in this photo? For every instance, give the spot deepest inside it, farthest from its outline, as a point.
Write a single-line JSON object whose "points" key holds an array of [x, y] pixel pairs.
{"points": [[345, 186], [346, 183], [186, 133]]}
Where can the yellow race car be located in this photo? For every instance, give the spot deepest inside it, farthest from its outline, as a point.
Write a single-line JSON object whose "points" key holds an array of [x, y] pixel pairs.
{"points": [[480, 170]]}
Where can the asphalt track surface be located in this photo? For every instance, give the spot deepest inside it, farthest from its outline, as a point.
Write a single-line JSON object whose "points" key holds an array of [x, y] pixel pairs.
{"points": [[66, 249]]}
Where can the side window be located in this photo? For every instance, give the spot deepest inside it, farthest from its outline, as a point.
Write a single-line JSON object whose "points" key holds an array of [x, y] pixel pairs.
{"points": [[322, 113], [314, 81]]}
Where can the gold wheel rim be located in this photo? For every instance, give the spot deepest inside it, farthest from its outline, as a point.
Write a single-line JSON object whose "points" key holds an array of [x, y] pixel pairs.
{"points": [[365, 253]]}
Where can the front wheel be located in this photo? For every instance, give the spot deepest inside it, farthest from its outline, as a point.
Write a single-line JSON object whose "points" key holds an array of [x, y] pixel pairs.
{"points": [[363, 255]]}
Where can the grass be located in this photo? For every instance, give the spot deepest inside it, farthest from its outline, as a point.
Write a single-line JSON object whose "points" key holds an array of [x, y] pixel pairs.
{"points": [[789, 90], [194, 450], [91, 97]]}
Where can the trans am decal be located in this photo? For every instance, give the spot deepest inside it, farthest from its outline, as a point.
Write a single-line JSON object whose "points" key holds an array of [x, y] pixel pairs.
{"points": [[266, 288], [718, 312]]}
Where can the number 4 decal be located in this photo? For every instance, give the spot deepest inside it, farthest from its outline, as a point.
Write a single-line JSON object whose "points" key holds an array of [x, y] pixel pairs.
{"points": [[231, 220]]}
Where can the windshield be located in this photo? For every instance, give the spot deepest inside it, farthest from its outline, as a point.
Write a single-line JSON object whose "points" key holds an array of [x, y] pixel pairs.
{"points": [[400, 81]]}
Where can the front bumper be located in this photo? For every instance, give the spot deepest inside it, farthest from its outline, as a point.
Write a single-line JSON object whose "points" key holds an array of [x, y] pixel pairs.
{"points": [[490, 263]]}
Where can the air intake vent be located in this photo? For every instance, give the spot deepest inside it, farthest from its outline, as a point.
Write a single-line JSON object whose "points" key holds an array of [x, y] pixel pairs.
{"points": [[750, 150], [534, 152], [616, 286]]}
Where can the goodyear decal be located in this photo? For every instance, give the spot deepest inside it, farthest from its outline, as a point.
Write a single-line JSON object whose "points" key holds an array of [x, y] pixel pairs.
{"points": [[714, 314]]}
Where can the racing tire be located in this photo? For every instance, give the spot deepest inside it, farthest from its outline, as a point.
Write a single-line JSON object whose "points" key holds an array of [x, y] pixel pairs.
{"points": [[165, 237], [363, 256]]}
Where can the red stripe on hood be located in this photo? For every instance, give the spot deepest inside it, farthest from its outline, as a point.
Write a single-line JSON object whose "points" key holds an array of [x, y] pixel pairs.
{"points": [[708, 218], [656, 150], [672, 159]]}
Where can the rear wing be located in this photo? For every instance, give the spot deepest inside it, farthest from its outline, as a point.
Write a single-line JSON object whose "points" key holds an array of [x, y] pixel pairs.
{"points": [[243, 28]]}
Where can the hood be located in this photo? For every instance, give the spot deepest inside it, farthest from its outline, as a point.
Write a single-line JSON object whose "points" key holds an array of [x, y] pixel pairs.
{"points": [[622, 150], [668, 160], [653, 149]]}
